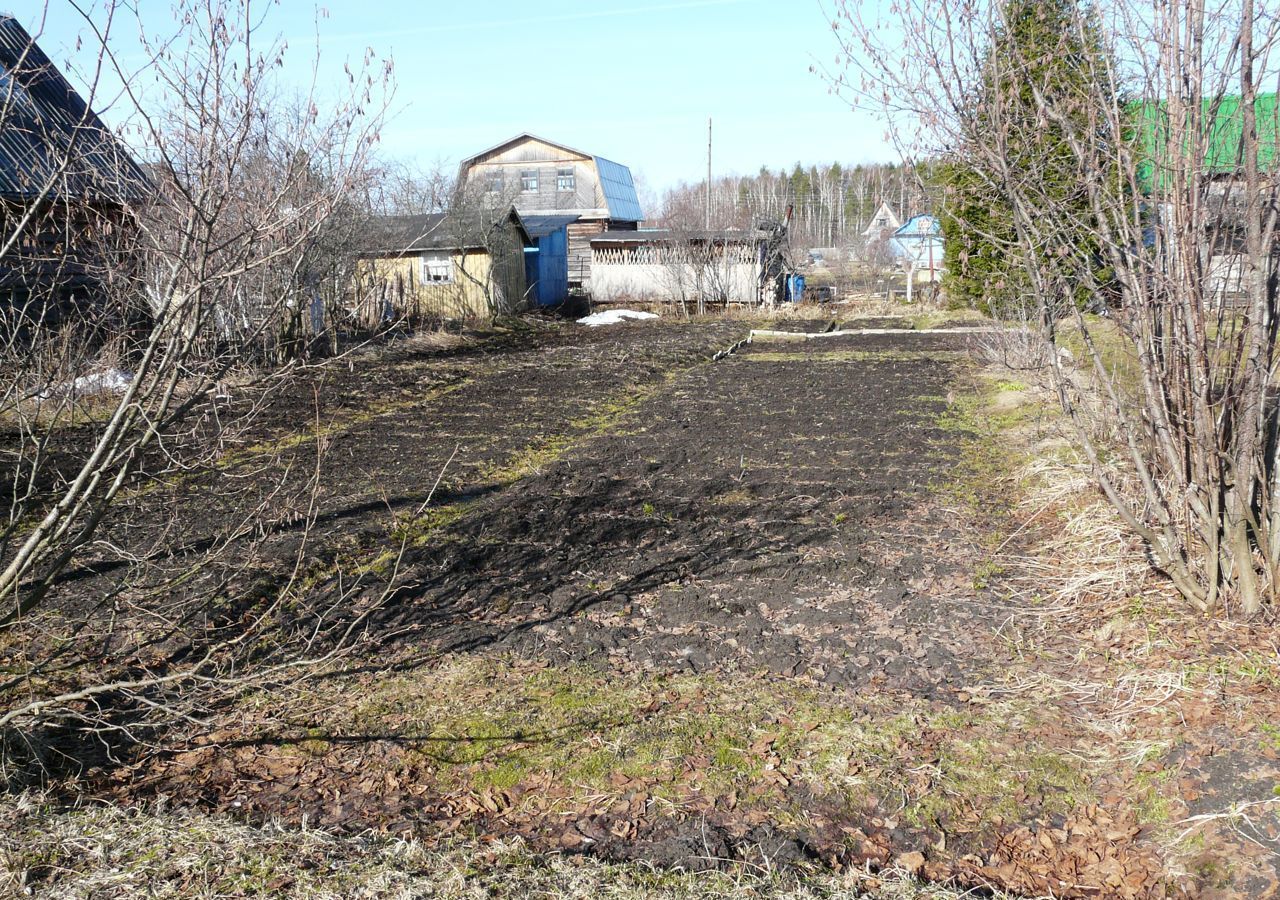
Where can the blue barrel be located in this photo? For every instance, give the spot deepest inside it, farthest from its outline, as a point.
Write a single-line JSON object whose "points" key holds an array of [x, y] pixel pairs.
{"points": [[795, 288]]}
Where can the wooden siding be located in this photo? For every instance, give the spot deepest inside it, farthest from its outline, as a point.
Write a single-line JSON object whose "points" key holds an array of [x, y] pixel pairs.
{"points": [[586, 199], [529, 150], [580, 235], [392, 287]]}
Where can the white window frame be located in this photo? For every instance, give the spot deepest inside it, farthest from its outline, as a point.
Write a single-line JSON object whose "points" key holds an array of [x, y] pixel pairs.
{"points": [[496, 182], [436, 267], [529, 181], [566, 180]]}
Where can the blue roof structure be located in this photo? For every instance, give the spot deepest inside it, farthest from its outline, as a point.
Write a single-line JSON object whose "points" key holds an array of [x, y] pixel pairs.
{"points": [[541, 226], [919, 238], [920, 227], [619, 191]]}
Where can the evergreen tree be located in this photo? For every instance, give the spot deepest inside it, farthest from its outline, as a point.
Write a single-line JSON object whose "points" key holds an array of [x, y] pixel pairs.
{"points": [[1038, 59]]}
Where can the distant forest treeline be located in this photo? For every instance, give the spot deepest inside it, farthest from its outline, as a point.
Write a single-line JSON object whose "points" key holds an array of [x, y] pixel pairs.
{"points": [[833, 203]]}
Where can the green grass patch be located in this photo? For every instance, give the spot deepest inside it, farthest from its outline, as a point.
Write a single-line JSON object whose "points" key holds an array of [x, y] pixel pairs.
{"points": [[496, 722], [981, 420]]}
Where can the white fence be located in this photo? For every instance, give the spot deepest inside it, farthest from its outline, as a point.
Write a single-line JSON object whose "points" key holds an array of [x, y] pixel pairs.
{"points": [[674, 273]]}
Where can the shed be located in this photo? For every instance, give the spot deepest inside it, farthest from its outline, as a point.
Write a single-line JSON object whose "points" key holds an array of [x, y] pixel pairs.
{"points": [[546, 263], [661, 265], [64, 175], [440, 265]]}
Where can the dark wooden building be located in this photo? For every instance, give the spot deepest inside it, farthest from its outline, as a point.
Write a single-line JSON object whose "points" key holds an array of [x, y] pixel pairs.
{"points": [[67, 186]]}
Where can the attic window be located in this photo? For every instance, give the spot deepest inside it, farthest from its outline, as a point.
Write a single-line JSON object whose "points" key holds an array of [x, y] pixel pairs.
{"points": [[529, 181], [495, 182], [437, 267], [565, 180]]}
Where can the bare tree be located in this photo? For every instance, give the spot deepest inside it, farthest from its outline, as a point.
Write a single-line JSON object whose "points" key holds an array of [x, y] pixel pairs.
{"points": [[482, 217], [206, 278], [700, 267], [1169, 141], [403, 189]]}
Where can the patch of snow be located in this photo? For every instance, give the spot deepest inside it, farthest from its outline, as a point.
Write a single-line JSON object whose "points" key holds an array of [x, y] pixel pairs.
{"points": [[613, 317], [110, 381]]}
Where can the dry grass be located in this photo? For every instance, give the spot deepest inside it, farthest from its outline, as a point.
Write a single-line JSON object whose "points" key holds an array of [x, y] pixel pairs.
{"points": [[1114, 648], [105, 852]]}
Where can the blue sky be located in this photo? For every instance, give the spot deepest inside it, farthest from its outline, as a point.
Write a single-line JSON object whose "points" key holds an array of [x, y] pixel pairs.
{"points": [[632, 80]]}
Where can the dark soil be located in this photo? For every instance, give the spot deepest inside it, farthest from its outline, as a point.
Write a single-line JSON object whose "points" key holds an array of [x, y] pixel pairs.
{"points": [[875, 322], [754, 515], [613, 500], [398, 425], [747, 519]]}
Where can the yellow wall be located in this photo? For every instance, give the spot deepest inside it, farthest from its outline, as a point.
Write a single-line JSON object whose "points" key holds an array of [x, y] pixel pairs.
{"points": [[476, 292]]}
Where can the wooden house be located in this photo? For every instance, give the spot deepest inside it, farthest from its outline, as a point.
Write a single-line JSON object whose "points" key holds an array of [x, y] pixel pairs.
{"points": [[441, 266], [68, 187], [541, 177], [883, 223]]}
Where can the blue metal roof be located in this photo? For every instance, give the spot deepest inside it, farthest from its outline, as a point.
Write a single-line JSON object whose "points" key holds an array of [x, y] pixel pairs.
{"points": [[619, 191], [919, 227], [541, 226], [919, 239]]}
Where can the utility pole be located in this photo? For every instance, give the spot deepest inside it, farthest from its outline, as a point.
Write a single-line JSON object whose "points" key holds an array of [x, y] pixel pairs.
{"points": [[707, 225]]}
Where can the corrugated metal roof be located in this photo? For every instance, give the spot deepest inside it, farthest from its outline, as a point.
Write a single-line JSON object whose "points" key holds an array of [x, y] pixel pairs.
{"points": [[384, 235], [919, 227], [1224, 131], [619, 190], [49, 134], [541, 226], [919, 238]]}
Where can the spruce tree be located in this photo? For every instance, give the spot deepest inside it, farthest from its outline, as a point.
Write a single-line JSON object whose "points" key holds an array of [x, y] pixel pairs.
{"points": [[1039, 57]]}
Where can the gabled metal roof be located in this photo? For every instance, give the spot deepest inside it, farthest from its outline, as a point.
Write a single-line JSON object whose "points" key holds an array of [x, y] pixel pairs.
{"points": [[616, 183], [48, 134], [919, 227], [619, 190], [517, 139], [398, 235]]}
